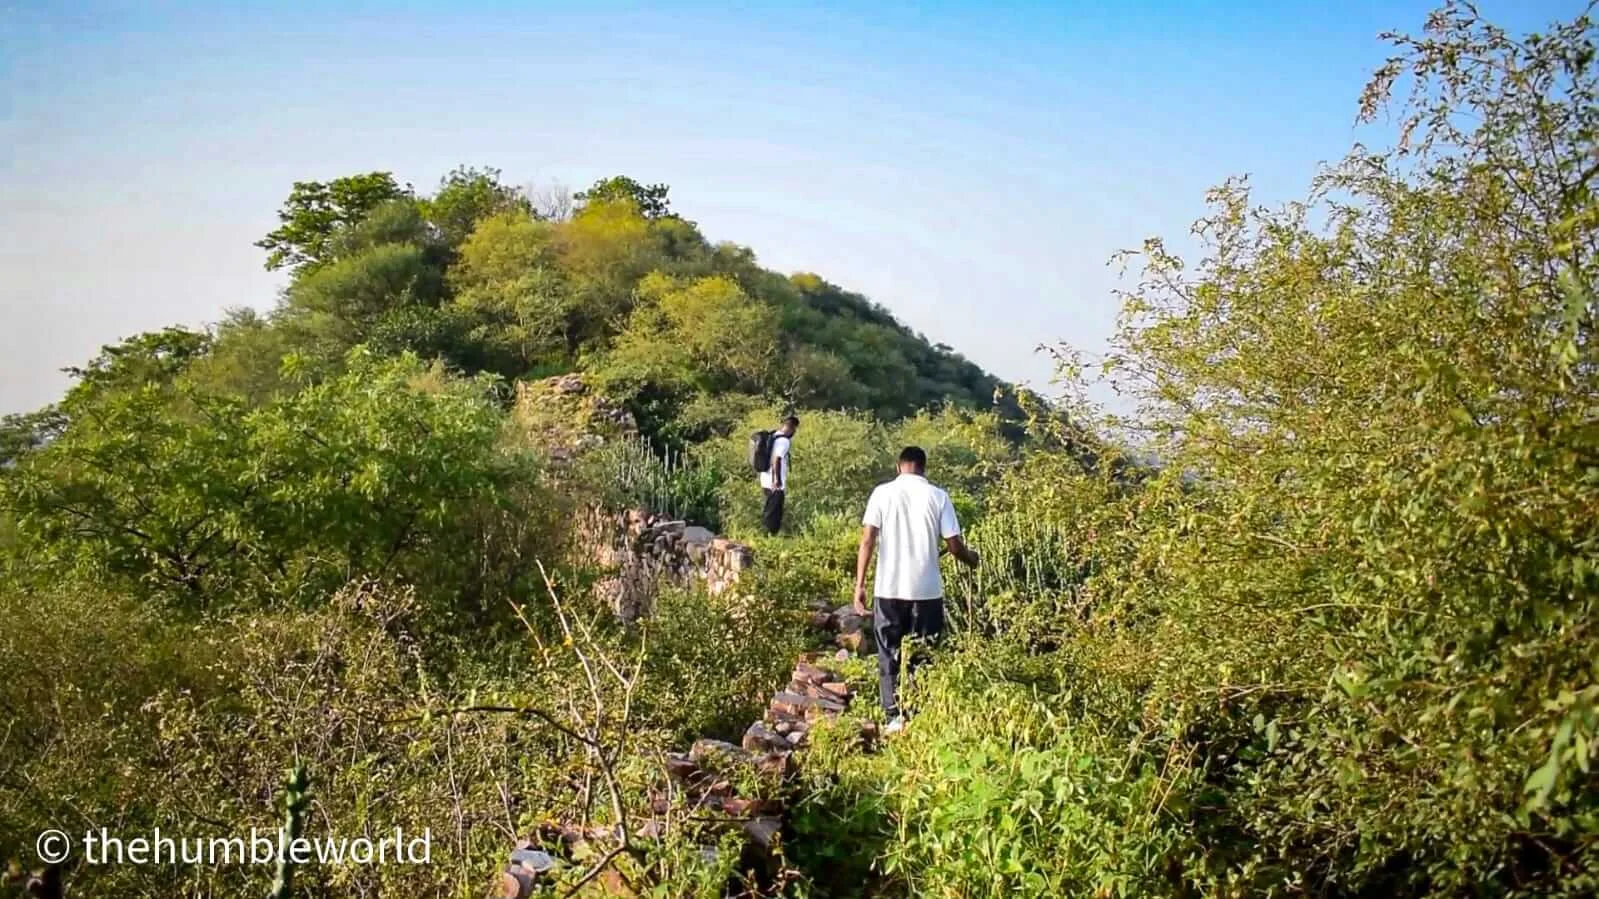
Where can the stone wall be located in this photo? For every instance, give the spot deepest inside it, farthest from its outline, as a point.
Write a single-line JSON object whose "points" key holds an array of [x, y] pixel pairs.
{"points": [[646, 550], [564, 415]]}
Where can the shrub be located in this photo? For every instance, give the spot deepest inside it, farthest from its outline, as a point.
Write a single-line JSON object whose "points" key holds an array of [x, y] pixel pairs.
{"points": [[711, 663], [1028, 797], [815, 561], [1339, 641], [1359, 589], [166, 491], [189, 727]]}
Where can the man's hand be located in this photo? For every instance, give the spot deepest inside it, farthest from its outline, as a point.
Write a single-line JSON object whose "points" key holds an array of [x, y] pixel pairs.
{"points": [[860, 601], [957, 547]]}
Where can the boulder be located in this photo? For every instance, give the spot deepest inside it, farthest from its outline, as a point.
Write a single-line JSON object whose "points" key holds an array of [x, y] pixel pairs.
{"points": [[707, 750], [777, 765], [805, 672], [857, 642], [514, 884], [681, 766], [760, 738], [847, 622], [798, 705], [535, 860], [827, 699], [763, 831]]}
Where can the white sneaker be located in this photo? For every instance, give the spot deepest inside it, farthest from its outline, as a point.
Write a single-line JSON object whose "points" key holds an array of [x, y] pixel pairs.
{"points": [[895, 726]]}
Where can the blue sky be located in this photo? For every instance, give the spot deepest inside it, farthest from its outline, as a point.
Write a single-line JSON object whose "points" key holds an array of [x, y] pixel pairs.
{"points": [[970, 166]]}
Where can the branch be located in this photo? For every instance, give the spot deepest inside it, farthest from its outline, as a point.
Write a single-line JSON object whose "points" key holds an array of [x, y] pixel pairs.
{"points": [[599, 866]]}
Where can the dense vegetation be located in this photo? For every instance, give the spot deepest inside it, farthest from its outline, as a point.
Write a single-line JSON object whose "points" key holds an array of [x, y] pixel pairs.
{"points": [[1339, 641]]}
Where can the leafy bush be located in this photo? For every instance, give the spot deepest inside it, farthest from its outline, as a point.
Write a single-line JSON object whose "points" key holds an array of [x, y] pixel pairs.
{"points": [[1359, 592], [1340, 642], [712, 662], [132, 720], [815, 561], [190, 727], [836, 458], [1029, 797], [167, 491]]}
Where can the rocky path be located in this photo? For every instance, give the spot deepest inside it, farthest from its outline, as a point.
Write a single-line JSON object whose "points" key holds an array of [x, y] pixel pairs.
{"points": [[733, 787]]}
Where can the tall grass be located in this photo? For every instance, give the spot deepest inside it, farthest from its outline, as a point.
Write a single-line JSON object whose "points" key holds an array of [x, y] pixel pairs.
{"points": [[681, 485], [1025, 557]]}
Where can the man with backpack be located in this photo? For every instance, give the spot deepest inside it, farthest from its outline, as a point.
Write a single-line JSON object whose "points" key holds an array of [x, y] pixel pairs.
{"points": [[910, 523], [769, 456]]}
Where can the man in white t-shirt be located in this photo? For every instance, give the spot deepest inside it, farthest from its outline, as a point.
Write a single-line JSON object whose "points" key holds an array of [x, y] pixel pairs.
{"points": [[774, 480], [910, 523]]}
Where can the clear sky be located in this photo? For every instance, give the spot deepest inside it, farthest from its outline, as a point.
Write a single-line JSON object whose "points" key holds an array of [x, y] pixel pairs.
{"points": [[968, 165]]}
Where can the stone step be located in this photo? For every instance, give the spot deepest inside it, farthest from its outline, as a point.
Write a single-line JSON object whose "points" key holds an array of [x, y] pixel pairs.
{"points": [[760, 738], [801, 705], [768, 745]]}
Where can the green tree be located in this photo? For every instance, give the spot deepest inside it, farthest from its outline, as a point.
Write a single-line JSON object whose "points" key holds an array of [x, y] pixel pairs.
{"points": [[603, 251], [316, 211], [814, 377], [168, 491], [23, 432], [245, 359], [650, 201], [335, 306], [154, 357], [706, 335], [467, 196], [1362, 591], [397, 221], [508, 284]]}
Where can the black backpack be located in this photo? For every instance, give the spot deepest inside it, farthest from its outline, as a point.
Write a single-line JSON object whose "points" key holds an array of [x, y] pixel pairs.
{"points": [[761, 451]]}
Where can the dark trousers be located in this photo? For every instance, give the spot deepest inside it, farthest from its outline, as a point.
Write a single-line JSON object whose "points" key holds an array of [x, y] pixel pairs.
{"points": [[772, 512], [893, 620]]}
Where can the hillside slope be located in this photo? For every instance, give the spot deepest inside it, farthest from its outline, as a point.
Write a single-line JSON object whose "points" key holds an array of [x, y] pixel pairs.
{"points": [[616, 285]]}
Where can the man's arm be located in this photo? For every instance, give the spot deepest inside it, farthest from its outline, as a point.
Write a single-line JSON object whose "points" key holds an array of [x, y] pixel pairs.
{"points": [[949, 527], [863, 559], [957, 547], [776, 469]]}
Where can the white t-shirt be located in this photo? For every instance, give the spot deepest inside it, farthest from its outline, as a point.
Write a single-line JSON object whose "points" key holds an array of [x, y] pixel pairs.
{"points": [[913, 518], [780, 455]]}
